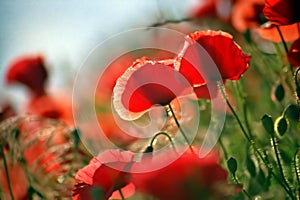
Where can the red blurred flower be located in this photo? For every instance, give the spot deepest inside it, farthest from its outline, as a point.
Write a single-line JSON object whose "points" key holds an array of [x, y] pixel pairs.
{"points": [[294, 53], [211, 8], [270, 32], [29, 71], [55, 107], [209, 56], [97, 176], [205, 8], [103, 99], [282, 12], [188, 177], [246, 14], [144, 84]]}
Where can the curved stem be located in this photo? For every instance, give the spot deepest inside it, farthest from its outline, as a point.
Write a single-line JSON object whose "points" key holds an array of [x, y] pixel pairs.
{"points": [[282, 39], [297, 172], [180, 129], [296, 76], [223, 149], [285, 46], [6, 172], [252, 143], [234, 113], [276, 151], [121, 194], [165, 134], [297, 85], [243, 190], [245, 109]]}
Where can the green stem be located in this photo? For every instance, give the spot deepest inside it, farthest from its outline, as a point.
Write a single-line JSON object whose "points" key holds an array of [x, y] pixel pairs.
{"points": [[245, 110], [243, 190], [234, 113], [282, 39], [223, 148], [296, 76], [276, 151], [297, 85], [285, 46], [121, 194], [165, 134], [297, 172], [6, 171], [180, 129], [252, 143]]}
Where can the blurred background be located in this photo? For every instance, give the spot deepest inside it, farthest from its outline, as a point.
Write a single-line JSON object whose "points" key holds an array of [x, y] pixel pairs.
{"points": [[64, 32]]}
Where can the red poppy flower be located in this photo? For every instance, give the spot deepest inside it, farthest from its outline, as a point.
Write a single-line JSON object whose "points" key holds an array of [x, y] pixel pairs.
{"points": [[246, 14], [205, 8], [270, 32], [55, 107], [294, 53], [97, 176], [211, 8], [147, 83], [282, 12], [188, 177], [209, 56], [29, 71]]}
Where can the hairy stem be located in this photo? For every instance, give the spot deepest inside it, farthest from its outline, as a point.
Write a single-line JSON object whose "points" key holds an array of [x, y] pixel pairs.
{"points": [[252, 143], [180, 128]]}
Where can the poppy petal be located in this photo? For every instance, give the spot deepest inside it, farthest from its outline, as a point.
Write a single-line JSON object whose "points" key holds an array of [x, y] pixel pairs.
{"points": [[145, 84], [98, 175], [246, 14], [269, 32], [188, 177], [29, 71], [206, 91], [282, 12], [221, 58]]}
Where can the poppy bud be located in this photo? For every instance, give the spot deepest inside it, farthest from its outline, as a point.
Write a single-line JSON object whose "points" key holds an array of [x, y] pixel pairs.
{"points": [[292, 112], [281, 125], [232, 165], [279, 92], [268, 124]]}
